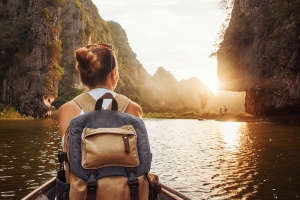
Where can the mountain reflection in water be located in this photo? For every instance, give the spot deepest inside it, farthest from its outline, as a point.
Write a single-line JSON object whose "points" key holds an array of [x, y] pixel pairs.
{"points": [[202, 159]]}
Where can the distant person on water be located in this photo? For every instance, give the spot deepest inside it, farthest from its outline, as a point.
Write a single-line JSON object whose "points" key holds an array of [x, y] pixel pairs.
{"points": [[98, 70]]}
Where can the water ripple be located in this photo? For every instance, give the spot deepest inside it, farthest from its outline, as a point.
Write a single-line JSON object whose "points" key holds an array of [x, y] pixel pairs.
{"points": [[211, 160], [23, 167]]}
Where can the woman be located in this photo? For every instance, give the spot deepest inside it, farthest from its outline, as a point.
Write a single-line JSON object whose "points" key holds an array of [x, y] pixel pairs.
{"points": [[98, 70]]}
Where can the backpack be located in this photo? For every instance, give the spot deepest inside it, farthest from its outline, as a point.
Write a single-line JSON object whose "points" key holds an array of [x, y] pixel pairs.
{"points": [[106, 154]]}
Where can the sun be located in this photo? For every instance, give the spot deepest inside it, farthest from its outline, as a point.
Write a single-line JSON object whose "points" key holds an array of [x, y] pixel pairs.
{"points": [[212, 82], [214, 86]]}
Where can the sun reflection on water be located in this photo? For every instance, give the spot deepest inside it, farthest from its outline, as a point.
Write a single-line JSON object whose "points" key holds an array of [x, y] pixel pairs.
{"points": [[231, 134]]}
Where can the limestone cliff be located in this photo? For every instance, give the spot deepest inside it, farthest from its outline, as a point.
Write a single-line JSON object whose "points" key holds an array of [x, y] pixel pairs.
{"points": [[30, 51], [260, 54], [37, 45], [81, 25]]}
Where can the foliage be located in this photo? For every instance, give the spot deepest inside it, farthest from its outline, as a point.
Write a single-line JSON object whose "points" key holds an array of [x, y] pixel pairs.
{"points": [[226, 5], [282, 13], [14, 38], [59, 3], [239, 33], [65, 94], [169, 115], [54, 50], [238, 36], [14, 35], [203, 97], [45, 13], [78, 4], [184, 115], [9, 112], [53, 70]]}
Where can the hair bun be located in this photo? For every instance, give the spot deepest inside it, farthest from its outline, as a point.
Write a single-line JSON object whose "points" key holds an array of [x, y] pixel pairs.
{"points": [[84, 57]]}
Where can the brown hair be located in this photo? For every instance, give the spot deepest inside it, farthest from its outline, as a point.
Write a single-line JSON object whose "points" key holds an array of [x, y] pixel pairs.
{"points": [[94, 64]]}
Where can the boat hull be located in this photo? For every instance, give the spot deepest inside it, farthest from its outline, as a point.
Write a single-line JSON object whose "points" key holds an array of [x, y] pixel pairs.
{"points": [[47, 191]]}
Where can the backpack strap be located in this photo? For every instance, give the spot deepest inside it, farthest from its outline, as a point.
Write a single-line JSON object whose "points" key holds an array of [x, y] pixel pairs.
{"points": [[87, 102], [133, 183], [123, 102]]}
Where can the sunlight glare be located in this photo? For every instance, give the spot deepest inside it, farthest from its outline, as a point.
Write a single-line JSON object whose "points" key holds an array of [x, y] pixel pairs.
{"points": [[211, 77], [214, 86], [229, 133]]}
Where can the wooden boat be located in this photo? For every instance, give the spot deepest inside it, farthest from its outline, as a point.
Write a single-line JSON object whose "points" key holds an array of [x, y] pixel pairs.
{"points": [[47, 191]]}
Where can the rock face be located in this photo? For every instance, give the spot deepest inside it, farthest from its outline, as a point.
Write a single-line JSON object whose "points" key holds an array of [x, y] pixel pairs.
{"points": [[39, 40], [29, 55], [81, 25], [260, 54]]}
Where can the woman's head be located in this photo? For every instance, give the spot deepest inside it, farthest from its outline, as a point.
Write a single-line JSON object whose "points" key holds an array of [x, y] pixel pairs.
{"points": [[97, 65]]}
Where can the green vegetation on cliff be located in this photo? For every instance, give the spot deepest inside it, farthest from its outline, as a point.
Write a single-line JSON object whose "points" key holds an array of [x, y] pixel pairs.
{"points": [[10, 112]]}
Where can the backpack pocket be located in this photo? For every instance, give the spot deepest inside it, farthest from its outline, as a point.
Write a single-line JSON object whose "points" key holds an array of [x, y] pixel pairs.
{"points": [[103, 147]]}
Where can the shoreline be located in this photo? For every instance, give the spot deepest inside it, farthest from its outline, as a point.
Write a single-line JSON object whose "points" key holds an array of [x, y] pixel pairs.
{"points": [[242, 117], [283, 120]]}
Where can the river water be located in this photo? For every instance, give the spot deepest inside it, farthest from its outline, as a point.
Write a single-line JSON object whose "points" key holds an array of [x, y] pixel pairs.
{"points": [[202, 159]]}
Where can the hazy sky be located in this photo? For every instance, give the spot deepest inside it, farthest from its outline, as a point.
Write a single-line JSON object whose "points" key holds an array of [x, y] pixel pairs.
{"points": [[178, 35]]}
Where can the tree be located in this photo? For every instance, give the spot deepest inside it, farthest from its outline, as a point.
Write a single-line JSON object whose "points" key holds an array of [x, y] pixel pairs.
{"points": [[203, 97]]}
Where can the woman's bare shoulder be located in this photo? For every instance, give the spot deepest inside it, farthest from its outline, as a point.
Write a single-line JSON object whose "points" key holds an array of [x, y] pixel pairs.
{"points": [[134, 109], [69, 108]]}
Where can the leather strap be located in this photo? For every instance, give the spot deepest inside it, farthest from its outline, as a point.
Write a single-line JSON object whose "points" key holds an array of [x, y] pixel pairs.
{"points": [[87, 102], [99, 102]]}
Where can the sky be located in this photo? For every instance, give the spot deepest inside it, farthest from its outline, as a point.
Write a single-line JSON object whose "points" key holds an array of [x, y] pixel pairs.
{"points": [[178, 35]]}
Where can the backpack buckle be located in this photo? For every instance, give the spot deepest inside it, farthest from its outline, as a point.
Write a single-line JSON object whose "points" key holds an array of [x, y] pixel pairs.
{"points": [[92, 183], [62, 157], [133, 180]]}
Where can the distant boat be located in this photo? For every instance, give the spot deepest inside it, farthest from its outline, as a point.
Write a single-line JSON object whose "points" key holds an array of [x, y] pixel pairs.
{"points": [[200, 119], [47, 191]]}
